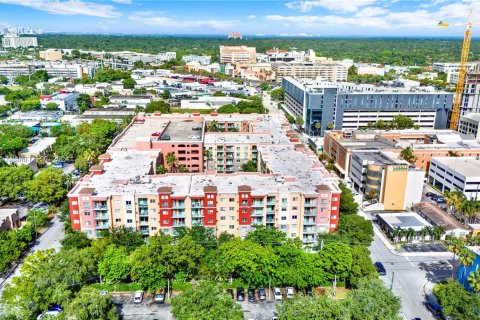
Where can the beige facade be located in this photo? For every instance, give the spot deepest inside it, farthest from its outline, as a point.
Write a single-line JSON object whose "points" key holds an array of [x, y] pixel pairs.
{"points": [[237, 54], [51, 55], [329, 71]]}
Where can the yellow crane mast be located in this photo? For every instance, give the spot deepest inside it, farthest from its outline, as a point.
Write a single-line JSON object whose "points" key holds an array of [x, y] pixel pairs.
{"points": [[462, 72]]}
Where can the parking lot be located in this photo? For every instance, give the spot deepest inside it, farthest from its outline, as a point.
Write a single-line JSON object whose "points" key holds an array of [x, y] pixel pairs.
{"points": [[148, 310]]}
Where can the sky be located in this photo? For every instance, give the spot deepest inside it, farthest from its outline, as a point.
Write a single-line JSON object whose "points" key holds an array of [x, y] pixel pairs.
{"points": [[407, 18]]}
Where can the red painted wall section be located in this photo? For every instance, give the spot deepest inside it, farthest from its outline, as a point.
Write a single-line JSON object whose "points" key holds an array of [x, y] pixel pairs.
{"points": [[245, 218], [334, 213], [165, 219], [74, 213], [210, 209]]}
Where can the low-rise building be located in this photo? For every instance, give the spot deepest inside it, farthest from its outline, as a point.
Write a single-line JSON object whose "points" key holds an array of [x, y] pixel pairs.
{"points": [[131, 101], [391, 221], [203, 60], [438, 217], [40, 148], [370, 69], [451, 173], [329, 71], [51, 55]]}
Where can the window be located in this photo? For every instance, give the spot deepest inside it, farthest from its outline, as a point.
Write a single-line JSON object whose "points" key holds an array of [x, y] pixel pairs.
{"points": [[154, 228], [165, 212], [295, 198], [293, 235], [128, 203], [76, 221], [223, 218], [210, 220], [165, 221], [210, 211], [231, 209], [322, 219], [231, 227], [283, 218], [294, 208], [334, 199], [232, 218], [334, 216], [129, 211], [86, 205], [75, 211], [129, 220], [118, 220], [294, 217], [244, 210], [154, 219], [223, 227], [87, 223], [152, 201], [116, 201], [87, 214], [231, 199], [74, 203], [223, 209], [334, 208], [244, 219], [222, 199], [164, 204], [117, 211], [153, 210]]}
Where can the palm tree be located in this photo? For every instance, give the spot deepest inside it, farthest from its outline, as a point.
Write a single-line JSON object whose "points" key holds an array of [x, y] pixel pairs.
{"points": [[455, 246], [466, 258], [429, 231], [408, 155], [438, 232], [318, 126], [402, 234], [470, 208], [396, 234], [452, 153], [474, 280], [410, 234], [423, 233], [89, 156], [171, 161], [454, 199], [207, 154], [183, 168]]}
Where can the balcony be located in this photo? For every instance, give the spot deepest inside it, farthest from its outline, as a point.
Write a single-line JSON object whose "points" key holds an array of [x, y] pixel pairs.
{"points": [[101, 226], [144, 231], [197, 222], [179, 224], [270, 211], [100, 207], [310, 230], [197, 204], [257, 204], [143, 213], [101, 217], [309, 222], [271, 201], [197, 213], [310, 203], [310, 213], [143, 203], [178, 215], [144, 222], [270, 220], [257, 222], [257, 213], [308, 240], [178, 206]]}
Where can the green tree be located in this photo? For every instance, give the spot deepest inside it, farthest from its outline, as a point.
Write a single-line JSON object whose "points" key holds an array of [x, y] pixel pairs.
{"points": [[362, 265], [171, 161], [249, 166], [3, 79], [12, 145], [336, 259], [408, 155], [83, 102], [474, 281], [124, 237], [267, 236], [129, 83], [277, 94], [75, 240], [402, 122], [204, 302], [372, 300], [356, 229], [228, 108], [299, 121], [290, 119], [51, 106], [38, 218], [156, 106], [50, 186], [13, 180], [456, 302], [348, 205], [90, 304], [306, 308], [114, 267], [166, 94]]}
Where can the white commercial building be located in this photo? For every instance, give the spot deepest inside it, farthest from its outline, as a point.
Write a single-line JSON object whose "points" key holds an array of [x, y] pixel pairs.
{"points": [[64, 101], [131, 101], [203, 60], [370, 69], [234, 54], [469, 123], [19, 42], [330, 71], [450, 173]]}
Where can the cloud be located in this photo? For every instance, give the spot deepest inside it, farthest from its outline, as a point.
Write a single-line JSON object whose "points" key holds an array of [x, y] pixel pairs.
{"points": [[332, 5], [68, 7], [252, 16], [123, 1], [157, 19]]}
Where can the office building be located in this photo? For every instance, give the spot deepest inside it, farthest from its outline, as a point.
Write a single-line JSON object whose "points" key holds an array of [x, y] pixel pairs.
{"points": [[15, 42], [370, 69], [234, 35], [64, 100], [329, 71], [277, 55], [124, 189], [235, 54], [451, 173], [344, 105], [203, 60], [468, 124], [51, 55], [54, 69], [393, 182]]}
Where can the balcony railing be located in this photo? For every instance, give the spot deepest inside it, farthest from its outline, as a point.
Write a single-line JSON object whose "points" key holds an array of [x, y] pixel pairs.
{"points": [[270, 220], [102, 226], [197, 223], [101, 217], [143, 204], [178, 206], [197, 214], [143, 223], [309, 222], [257, 204], [257, 222], [310, 213], [144, 231], [100, 207], [271, 202], [311, 204], [309, 230], [308, 240], [257, 213], [179, 224]]}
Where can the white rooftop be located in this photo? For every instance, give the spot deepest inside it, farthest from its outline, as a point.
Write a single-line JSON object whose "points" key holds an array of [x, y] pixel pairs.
{"points": [[39, 146], [466, 166], [404, 220]]}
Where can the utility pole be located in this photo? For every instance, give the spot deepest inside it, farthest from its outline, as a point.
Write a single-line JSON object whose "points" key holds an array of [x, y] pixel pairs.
{"points": [[335, 286], [168, 289], [391, 284], [321, 245]]}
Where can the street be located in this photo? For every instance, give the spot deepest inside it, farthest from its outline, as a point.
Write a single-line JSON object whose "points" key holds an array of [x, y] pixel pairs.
{"points": [[50, 239]]}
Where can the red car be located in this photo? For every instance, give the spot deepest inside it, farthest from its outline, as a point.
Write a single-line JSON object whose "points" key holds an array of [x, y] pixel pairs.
{"points": [[156, 134]]}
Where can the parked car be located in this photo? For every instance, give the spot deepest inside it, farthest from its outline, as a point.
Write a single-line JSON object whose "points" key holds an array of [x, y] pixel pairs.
{"points": [[197, 127], [262, 295], [440, 200], [434, 308], [55, 307], [230, 292], [51, 311], [156, 134], [290, 292], [165, 138], [240, 294], [309, 292], [192, 137], [159, 296], [138, 297], [251, 295], [429, 194], [380, 269], [57, 165], [277, 293]]}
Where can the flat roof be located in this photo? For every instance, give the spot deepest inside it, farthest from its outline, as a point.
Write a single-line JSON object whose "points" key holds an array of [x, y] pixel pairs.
{"points": [[404, 220], [377, 157], [5, 213], [466, 166], [438, 216], [182, 131], [40, 145]]}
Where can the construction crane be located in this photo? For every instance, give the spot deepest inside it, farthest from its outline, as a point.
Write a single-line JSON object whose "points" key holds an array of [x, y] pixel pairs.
{"points": [[462, 72]]}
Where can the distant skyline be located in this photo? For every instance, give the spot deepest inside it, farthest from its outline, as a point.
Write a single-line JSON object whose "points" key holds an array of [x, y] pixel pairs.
{"points": [[304, 17]]}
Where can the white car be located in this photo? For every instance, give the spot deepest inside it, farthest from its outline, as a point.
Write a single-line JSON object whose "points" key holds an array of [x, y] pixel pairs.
{"points": [[290, 292], [138, 298], [277, 293], [193, 137]]}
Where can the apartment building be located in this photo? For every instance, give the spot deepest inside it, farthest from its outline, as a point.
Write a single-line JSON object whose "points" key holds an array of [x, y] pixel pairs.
{"points": [[471, 91], [203, 60], [351, 106], [329, 71], [124, 190], [15, 42], [468, 124], [54, 69], [237, 54]]}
